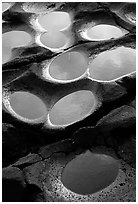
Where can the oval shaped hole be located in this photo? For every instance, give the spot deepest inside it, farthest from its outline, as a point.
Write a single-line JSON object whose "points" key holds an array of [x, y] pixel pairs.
{"points": [[72, 108], [53, 39], [113, 64], [55, 21], [13, 39], [68, 66], [104, 32], [5, 6], [27, 105], [89, 173]]}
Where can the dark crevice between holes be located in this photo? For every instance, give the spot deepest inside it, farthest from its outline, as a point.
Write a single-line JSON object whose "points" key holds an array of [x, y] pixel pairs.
{"points": [[126, 27], [104, 110], [116, 18], [121, 137], [31, 135], [12, 16], [32, 193], [19, 62]]}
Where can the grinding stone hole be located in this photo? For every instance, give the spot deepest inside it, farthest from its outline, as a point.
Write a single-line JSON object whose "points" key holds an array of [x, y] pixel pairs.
{"points": [[104, 32], [72, 108], [11, 40], [54, 39], [5, 6], [89, 173], [68, 66], [55, 21], [113, 64], [27, 105]]}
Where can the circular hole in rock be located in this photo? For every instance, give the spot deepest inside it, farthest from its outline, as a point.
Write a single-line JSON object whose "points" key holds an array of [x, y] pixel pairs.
{"points": [[55, 21], [13, 39], [68, 66], [89, 173], [53, 39], [5, 6], [113, 64], [27, 105], [104, 32], [72, 108]]}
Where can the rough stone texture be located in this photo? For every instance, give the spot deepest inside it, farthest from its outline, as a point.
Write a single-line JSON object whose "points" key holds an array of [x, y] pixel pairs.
{"points": [[120, 117], [27, 160], [110, 129], [127, 151], [33, 173], [13, 184], [48, 178]]}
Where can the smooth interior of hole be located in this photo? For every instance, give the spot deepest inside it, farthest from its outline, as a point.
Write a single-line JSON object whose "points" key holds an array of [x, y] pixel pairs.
{"points": [[53, 39], [104, 32], [13, 39], [55, 21], [89, 173], [5, 6], [27, 105], [113, 64], [72, 108], [68, 66]]}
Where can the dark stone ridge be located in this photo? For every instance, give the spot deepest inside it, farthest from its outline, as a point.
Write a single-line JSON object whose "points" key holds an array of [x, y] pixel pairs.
{"points": [[127, 151], [34, 173], [123, 116], [13, 184], [33, 193], [27, 160]]}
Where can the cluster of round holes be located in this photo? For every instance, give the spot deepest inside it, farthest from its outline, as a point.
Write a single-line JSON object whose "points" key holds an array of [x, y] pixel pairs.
{"points": [[113, 64], [54, 23], [27, 105], [72, 108], [103, 32], [68, 66], [11, 40]]}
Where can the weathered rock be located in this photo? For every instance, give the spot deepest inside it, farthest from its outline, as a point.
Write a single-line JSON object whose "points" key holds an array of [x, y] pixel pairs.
{"points": [[11, 143], [27, 160], [34, 173], [33, 193], [88, 136], [127, 151], [123, 116], [116, 128], [65, 146], [13, 184]]}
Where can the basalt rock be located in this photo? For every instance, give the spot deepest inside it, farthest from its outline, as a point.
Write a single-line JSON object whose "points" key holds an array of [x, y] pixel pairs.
{"points": [[35, 152]]}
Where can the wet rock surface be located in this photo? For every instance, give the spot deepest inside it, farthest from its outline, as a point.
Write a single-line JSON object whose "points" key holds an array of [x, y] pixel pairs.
{"points": [[34, 155]]}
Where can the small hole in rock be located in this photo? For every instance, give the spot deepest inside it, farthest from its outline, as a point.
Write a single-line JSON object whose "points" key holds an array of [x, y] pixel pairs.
{"points": [[13, 39], [55, 21], [27, 105], [104, 32], [113, 64], [72, 108], [53, 39], [68, 66], [89, 173]]}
